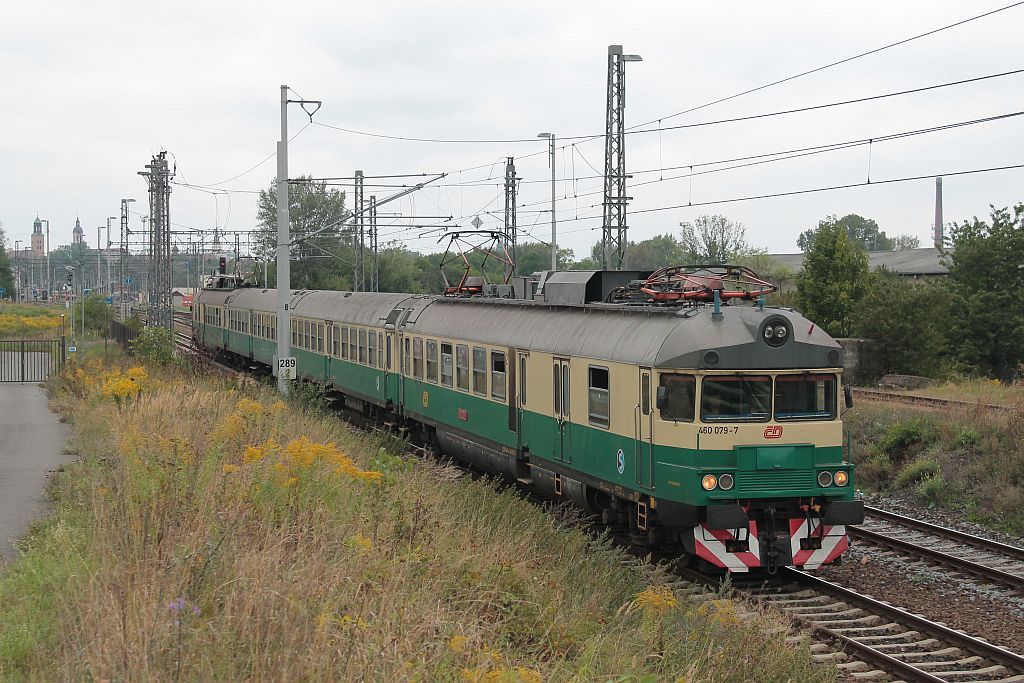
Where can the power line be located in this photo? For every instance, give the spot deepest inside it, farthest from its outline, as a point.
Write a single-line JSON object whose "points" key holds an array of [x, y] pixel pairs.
{"points": [[715, 122], [830, 65]]}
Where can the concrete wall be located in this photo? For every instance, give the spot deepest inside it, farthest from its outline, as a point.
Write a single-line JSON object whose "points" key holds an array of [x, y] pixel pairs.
{"points": [[861, 364]]}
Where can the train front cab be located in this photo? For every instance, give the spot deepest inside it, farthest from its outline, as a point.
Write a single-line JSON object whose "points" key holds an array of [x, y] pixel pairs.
{"points": [[750, 467]]}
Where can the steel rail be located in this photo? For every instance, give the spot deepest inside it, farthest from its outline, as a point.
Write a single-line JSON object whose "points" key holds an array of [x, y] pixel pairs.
{"points": [[1010, 551], [913, 399], [999, 655], [958, 563]]}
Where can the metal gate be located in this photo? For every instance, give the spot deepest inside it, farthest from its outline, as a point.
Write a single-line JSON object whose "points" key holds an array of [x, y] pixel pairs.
{"points": [[30, 360]]}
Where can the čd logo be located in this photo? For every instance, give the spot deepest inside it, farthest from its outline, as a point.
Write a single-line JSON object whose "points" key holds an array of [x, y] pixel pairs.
{"points": [[773, 432]]}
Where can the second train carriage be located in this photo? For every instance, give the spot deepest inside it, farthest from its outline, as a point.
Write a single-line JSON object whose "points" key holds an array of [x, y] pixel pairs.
{"points": [[716, 430]]}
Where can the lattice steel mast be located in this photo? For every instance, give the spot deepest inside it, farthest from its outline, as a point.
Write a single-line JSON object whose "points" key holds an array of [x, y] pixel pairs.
{"points": [[613, 237], [509, 234], [359, 235], [158, 176]]}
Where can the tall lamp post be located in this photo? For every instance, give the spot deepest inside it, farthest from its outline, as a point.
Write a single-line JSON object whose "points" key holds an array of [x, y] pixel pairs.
{"points": [[551, 161], [110, 284], [17, 269], [49, 275]]}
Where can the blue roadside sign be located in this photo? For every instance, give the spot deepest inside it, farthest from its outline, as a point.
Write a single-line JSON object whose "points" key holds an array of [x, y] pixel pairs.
{"points": [[110, 299], [128, 281]]}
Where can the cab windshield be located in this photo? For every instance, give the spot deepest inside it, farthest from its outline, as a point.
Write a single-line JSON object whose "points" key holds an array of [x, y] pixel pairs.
{"points": [[805, 397], [740, 398]]}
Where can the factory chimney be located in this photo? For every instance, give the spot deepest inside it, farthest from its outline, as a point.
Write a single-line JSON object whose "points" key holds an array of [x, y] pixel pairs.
{"points": [[938, 236]]}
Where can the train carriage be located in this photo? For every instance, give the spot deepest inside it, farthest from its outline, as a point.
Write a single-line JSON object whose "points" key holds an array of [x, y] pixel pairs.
{"points": [[713, 430]]}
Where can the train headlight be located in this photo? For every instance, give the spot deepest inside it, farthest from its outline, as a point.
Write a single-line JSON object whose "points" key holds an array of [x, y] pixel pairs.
{"points": [[725, 482], [841, 478], [824, 479], [709, 482], [775, 332]]}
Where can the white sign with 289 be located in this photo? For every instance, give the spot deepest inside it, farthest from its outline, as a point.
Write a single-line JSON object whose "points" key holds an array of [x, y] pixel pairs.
{"points": [[286, 366]]}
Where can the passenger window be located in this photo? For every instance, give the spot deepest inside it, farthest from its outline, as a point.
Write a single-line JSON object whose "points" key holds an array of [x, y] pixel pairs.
{"points": [[362, 346], [371, 356], [522, 380], [462, 366], [431, 360], [336, 351], [380, 350], [680, 397], [344, 342], [353, 344], [479, 371], [446, 364], [417, 358], [319, 337], [645, 393], [498, 375], [598, 407]]}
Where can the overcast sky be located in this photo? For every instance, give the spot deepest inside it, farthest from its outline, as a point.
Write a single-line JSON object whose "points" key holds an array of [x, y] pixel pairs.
{"points": [[93, 89]]}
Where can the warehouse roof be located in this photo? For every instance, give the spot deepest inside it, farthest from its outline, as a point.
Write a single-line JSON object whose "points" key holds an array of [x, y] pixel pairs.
{"points": [[909, 262]]}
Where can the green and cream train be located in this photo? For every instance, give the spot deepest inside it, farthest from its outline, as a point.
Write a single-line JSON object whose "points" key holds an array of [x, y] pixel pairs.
{"points": [[712, 431]]}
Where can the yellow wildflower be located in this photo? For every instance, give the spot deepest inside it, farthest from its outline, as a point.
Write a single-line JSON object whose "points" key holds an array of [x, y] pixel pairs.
{"points": [[229, 468], [655, 599], [457, 644]]}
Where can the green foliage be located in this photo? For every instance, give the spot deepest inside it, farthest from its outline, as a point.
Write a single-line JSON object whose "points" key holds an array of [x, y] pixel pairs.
{"points": [[900, 437], [658, 252], [98, 314], [833, 280], [154, 345], [713, 240], [905, 242], [308, 396], [864, 232], [914, 471], [967, 437], [6, 274], [907, 320], [932, 488], [986, 283]]}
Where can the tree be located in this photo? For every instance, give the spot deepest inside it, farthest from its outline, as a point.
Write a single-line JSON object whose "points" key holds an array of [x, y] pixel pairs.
{"points": [[864, 232], [907, 321], [321, 262], [905, 242], [657, 252], [534, 257], [6, 274], [833, 280], [713, 239], [985, 282]]}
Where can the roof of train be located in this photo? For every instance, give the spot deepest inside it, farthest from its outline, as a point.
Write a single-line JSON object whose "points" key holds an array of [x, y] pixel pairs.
{"points": [[639, 335]]}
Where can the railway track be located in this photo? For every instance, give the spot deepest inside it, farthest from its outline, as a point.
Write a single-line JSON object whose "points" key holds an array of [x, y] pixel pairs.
{"points": [[867, 639], [930, 401], [981, 558], [870, 633]]}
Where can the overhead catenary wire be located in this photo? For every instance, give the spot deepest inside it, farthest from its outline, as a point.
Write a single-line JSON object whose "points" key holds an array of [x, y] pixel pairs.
{"points": [[818, 69], [697, 124]]}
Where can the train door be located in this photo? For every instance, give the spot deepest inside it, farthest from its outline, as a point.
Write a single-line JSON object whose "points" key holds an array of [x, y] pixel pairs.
{"points": [[391, 377], [643, 418], [561, 410]]}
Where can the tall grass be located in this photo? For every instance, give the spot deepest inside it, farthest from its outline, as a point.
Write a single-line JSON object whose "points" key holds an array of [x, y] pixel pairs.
{"points": [[24, 321], [972, 461], [210, 532]]}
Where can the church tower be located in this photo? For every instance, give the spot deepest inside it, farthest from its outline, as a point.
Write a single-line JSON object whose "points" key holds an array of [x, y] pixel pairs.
{"points": [[38, 239], [78, 233]]}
